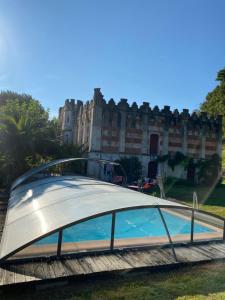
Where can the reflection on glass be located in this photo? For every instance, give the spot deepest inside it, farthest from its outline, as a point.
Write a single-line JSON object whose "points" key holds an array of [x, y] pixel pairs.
{"points": [[89, 235], [207, 227], [44, 247]]}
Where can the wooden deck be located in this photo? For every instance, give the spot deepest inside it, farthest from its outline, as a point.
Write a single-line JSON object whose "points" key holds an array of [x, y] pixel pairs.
{"points": [[123, 261], [120, 261]]}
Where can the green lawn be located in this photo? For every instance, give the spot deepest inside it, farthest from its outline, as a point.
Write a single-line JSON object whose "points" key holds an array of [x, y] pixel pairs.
{"points": [[196, 282], [210, 199], [223, 158]]}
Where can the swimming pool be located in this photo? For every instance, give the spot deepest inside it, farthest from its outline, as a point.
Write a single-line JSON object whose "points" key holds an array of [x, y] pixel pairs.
{"points": [[129, 224]]}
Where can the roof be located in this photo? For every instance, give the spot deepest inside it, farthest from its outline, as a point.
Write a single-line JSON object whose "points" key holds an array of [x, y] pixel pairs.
{"points": [[46, 205]]}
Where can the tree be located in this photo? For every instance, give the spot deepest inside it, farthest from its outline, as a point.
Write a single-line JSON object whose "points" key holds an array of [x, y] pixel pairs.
{"points": [[215, 100], [24, 131], [9, 95], [27, 136], [132, 167]]}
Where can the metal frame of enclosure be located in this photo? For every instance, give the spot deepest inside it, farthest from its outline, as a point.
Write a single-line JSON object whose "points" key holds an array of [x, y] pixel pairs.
{"points": [[145, 201]]}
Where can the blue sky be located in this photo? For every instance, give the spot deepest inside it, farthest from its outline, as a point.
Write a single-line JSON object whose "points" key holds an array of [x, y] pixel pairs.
{"points": [[166, 52]]}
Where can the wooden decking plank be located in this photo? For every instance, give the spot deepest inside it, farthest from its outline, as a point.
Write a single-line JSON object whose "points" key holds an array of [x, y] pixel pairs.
{"points": [[19, 273], [20, 276], [211, 250], [195, 255], [104, 262], [96, 263], [38, 270], [159, 257], [74, 267], [125, 257], [219, 247], [153, 257], [67, 267], [114, 262], [124, 260], [220, 244], [4, 276], [167, 255], [186, 255], [118, 262], [145, 257], [134, 260], [32, 269], [1, 275], [121, 261], [29, 272], [85, 265], [8, 277], [191, 254], [60, 269], [209, 254], [198, 254], [48, 269]]}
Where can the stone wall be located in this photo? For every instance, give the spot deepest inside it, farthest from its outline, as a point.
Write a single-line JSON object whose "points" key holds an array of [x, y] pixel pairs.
{"points": [[111, 130]]}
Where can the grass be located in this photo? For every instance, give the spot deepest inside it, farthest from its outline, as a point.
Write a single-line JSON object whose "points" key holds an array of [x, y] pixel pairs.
{"points": [[223, 158], [196, 282], [211, 199]]}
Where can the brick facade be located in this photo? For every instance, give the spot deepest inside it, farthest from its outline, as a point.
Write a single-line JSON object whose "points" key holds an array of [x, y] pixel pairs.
{"points": [[110, 131]]}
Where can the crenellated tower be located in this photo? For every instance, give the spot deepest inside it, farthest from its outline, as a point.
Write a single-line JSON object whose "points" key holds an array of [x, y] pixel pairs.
{"points": [[110, 130]]}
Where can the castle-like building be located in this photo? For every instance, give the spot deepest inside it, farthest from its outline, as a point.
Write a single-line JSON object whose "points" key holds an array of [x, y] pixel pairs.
{"points": [[111, 131]]}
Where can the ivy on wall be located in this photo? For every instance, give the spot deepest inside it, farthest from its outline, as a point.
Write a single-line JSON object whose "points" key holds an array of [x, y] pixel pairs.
{"points": [[207, 171], [173, 161]]}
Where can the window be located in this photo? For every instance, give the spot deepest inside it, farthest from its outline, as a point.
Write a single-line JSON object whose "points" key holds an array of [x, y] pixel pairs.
{"points": [[154, 143]]}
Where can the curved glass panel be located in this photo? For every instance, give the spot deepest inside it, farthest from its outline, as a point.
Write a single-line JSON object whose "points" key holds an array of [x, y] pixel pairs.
{"points": [[139, 227], [179, 224], [207, 227], [44, 247], [94, 234], [133, 228]]}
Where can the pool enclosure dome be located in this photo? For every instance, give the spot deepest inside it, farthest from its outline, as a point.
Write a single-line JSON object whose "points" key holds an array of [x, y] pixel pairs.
{"points": [[51, 205]]}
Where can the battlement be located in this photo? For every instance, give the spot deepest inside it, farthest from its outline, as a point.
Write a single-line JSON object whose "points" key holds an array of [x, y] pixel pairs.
{"points": [[112, 129], [194, 118]]}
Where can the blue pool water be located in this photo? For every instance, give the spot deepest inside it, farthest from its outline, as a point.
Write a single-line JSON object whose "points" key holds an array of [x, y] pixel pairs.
{"points": [[129, 224]]}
